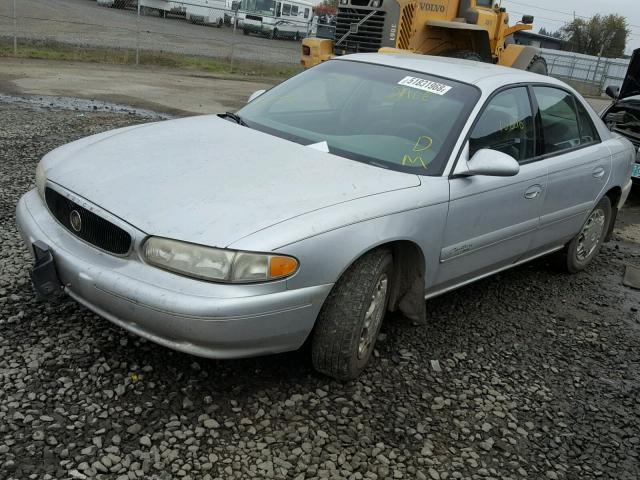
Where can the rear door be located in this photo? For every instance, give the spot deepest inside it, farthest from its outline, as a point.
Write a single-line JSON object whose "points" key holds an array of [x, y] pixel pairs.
{"points": [[579, 164], [492, 220]]}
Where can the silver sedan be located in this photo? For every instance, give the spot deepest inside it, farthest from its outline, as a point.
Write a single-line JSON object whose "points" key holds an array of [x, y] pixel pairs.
{"points": [[361, 186]]}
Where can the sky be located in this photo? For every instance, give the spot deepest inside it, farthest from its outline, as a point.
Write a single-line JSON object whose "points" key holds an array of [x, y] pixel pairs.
{"points": [[553, 14]]}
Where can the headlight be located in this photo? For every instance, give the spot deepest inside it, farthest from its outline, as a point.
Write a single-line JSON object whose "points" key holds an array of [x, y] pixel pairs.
{"points": [[41, 179], [216, 264]]}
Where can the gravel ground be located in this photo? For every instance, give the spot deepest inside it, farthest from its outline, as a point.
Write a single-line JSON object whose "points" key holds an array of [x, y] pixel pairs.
{"points": [[529, 374]]}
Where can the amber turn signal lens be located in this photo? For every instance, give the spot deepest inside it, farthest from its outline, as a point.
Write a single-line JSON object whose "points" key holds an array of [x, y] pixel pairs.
{"points": [[282, 266]]}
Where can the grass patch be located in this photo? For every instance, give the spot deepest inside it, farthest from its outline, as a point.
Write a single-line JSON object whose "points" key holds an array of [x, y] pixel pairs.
{"points": [[123, 56]]}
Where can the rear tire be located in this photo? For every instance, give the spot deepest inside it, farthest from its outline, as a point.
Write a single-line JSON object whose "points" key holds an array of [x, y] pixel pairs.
{"points": [[580, 252], [463, 54], [349, 322], [538, 65]]}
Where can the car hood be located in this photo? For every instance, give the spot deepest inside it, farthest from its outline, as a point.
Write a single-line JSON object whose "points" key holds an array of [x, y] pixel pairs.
{"points": [[209, 181], [631, 83]]}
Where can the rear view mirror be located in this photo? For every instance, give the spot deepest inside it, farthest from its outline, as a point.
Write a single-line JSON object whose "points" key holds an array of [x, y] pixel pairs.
{"points": [[613, 92], [255, 95], [492, 163], [527, 19]]}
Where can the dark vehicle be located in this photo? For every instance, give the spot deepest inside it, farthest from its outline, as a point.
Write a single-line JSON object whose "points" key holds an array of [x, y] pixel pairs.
{"points": [[623, 115]]}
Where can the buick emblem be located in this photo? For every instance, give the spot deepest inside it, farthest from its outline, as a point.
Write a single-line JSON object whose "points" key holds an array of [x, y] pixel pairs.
{"points": [[76, 220]]}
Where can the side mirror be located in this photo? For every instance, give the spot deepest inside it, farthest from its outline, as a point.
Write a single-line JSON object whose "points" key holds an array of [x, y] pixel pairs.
{"points": [[492, 163], [613, 92], [255, 95]]}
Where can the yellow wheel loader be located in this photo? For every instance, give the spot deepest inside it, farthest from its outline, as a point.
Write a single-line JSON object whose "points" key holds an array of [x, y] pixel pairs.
{"points": [[471, 29]]}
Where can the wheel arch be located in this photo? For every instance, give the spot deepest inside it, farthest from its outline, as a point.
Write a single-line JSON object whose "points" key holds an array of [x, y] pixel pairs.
{"points": [[409, 273]]}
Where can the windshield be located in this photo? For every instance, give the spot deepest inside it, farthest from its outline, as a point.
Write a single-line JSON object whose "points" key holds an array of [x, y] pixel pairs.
{"points": [[265, 7], [384, 116]]}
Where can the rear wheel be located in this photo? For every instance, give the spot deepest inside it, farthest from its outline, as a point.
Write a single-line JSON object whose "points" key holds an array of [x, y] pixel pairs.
{"points": [[349, 322], [464, 54], [538, 65], [580, 252]]}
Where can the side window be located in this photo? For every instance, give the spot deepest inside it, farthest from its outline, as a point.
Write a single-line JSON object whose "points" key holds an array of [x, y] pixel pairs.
{"points": [[306, 13], [485, 3], [506, 125], [588, 132], [560, 128], [286, 9], [294, 10]]}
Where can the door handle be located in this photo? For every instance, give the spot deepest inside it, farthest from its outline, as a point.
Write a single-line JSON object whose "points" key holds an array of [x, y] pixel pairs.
{"points": [[532, 192], [598, 172]]}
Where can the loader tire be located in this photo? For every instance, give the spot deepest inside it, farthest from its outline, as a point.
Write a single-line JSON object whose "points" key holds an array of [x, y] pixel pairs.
{"points": [[464, 54], [538, 65]]}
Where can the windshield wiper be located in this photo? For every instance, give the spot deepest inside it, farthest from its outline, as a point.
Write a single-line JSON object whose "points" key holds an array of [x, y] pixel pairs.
{"points": [[236, 118]]}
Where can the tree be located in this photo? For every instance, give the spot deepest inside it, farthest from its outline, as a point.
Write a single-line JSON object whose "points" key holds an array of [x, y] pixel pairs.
{"points": [[600, 35], [549, 33]]}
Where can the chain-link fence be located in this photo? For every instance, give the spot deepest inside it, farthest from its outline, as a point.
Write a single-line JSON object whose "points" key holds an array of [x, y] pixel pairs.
{"points": [[591, 75], [171, 33]]}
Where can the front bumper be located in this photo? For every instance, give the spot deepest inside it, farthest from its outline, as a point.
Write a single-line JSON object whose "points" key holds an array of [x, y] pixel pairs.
{"points": [[200, 318]]}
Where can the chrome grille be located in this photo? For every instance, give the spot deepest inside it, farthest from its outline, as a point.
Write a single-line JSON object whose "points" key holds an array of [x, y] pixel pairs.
{"points": [[91, 228]]}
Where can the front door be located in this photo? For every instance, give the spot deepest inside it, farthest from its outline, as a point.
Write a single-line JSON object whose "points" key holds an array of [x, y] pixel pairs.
{"points": [[492, 220]]}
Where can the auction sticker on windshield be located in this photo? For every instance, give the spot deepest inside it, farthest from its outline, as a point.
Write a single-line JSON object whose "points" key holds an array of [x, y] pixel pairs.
{"points": [[425, 85]]}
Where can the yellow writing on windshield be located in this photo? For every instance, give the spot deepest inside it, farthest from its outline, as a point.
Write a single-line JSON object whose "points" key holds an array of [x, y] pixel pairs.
{"points": [[404, 93], [423, 144], [408, 160]]}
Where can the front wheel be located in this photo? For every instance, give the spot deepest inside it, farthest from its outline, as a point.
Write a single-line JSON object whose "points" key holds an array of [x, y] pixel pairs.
{"points": [[349, 322], [580, 252], [274, 33]]}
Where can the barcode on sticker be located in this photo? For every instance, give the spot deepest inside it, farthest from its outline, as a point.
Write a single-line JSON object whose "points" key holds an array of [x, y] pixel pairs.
{"points": [[425, 85]]}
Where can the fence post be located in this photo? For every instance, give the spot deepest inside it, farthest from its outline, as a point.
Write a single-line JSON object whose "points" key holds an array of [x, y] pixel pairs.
{"points": [[15, 30], [137, 35], [573, 67], [233, 40], [605, 75]]}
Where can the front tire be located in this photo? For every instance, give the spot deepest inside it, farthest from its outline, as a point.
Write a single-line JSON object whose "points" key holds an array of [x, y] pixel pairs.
{"points": [[274, 34], [350, 320], [581, 251]]}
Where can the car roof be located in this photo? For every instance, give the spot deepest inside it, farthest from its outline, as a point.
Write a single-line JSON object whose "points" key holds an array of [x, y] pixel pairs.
{"points": [[486, 76]]}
